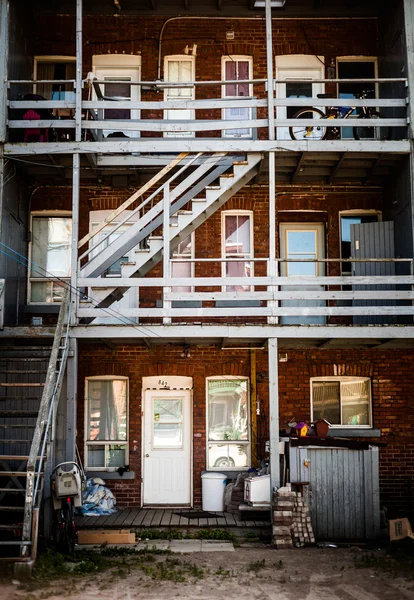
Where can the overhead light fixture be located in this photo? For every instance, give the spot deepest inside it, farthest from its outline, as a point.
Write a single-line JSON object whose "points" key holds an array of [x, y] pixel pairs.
{"points": [[273, 3]]}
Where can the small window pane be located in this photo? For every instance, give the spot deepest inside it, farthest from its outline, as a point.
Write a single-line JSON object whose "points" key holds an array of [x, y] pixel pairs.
{"points": [[355, 400], [110, 455], [227, 456], [228, 409], [168, 411], [326, 401], [51, 247], [107, 416], [167, 435]]}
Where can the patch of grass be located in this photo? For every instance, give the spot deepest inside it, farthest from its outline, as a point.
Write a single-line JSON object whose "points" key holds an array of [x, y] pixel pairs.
{"points": [[398, 558], [220, 571], [278, 564], [257, 565], [159, 534], [215, 534]]}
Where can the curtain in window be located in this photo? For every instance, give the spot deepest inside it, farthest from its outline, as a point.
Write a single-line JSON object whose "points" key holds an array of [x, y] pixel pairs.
{"points": [[107, 410], [45, 71]]}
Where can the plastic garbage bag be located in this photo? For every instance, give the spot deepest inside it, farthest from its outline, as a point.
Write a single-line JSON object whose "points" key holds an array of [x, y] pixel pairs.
{"points": [[97, 499]]}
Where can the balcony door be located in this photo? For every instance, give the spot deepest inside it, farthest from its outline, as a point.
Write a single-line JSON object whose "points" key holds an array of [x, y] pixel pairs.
{"points": [[235, 69], [302, 241], [179, 69], [118, 71], [294, 67]]}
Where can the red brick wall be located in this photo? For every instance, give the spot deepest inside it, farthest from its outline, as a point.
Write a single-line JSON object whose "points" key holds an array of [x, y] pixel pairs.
{"points": [[391, 373]]}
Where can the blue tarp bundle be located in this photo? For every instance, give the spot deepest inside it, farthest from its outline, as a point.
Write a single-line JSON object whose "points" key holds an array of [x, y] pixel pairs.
{"points": [[97, 499]]}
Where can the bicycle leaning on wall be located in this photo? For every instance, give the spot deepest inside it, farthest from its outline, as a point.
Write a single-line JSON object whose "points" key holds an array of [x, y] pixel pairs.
{"points": [[321, 130]]}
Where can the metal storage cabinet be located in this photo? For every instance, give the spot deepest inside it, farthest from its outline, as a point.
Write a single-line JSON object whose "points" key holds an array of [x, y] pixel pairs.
{"points": [[344, 490]]}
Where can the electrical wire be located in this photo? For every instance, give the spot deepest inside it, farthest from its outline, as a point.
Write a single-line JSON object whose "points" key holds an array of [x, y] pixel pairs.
{"points": [[47, 274]]}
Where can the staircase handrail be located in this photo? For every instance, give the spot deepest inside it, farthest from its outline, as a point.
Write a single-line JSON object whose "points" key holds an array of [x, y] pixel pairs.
{"points": [[143, 204], [147, 186], [44, 421]]}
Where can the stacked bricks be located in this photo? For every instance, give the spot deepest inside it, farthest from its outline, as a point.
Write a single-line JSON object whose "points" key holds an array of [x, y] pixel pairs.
{"points": [[291, 521]]}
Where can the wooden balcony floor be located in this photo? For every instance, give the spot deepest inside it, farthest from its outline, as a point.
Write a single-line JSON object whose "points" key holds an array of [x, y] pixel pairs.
{"points": [[159, 518]]}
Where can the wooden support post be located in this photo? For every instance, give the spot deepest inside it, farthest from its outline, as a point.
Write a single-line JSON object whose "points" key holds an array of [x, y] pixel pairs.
{"points": [[274, 414], [74, 298], [253, 408], [166, 263], [78, 90], [4, 53]]}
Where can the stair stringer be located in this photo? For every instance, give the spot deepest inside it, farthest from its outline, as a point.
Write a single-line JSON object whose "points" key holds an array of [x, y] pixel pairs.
{"points": [[106, 297]]}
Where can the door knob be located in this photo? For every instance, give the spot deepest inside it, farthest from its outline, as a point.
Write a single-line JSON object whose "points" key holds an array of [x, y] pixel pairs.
{"points": [[147, 455]]}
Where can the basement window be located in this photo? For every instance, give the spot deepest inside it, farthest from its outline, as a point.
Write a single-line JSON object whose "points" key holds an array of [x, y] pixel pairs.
{"points": [[343, 401], [228, 423], [106, 423]]}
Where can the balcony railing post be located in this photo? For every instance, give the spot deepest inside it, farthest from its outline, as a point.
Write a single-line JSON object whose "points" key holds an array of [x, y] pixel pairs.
{"points": [[166, 252], [78, 84], [4, 47]]}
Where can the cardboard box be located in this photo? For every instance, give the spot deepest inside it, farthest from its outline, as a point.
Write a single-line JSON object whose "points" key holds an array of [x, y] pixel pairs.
{"points": [[105, 536], [400, 529]]}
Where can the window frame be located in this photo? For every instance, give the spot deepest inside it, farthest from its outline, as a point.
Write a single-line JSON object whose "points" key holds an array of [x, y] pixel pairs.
{"points": [[105, 443], [319, 228], [344, 379], [170, 58], [229, 133], [243, 258], [247, 443], [58, 214]]}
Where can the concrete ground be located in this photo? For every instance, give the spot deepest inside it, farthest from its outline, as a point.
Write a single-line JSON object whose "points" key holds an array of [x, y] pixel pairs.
{"points": [[250, 572]]}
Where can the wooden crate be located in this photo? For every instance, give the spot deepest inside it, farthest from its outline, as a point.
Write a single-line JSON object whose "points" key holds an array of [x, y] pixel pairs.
{"points": [[106, 536]]}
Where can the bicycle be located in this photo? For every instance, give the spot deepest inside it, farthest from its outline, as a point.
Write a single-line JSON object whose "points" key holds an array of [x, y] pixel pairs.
{"points": [[320, 131], [67, 487]]}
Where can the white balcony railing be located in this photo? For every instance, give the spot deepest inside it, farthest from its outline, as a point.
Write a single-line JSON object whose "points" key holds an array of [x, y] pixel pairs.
{"points": [[375, 298], [59, 116]]}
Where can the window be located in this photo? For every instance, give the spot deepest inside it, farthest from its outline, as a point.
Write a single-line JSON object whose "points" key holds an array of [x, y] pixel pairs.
{"points": [[237, 68], [184, 267], [343, 401], [352, 218], [50, 257], [228, 423], [106, 422], [179, 69], [57, 68], [237, 237]]}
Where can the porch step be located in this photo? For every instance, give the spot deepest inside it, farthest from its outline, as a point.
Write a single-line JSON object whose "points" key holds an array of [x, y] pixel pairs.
{"points": [[11, 508], [18, 413]]}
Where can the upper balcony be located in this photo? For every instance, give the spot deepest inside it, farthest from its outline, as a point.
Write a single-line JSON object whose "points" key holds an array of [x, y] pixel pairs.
{"points": [[117, 133]]}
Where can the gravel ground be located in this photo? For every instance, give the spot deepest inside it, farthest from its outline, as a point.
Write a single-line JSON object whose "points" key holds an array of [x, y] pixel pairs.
{"points": [[250, 573]]}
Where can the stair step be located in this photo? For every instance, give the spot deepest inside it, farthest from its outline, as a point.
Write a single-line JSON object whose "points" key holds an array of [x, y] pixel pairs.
{"points": [[13, 490], [242, 163], [19, 372], [16, 474], [227, 175], [22, 384], [10, 457], [198, 200], [213, 187], [16, 426], [11, 527], [8, 441], [19, 413], [11, 508]]}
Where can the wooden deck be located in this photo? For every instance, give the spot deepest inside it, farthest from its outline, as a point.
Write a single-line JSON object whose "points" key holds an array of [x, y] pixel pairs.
{"points": [[158, 518]]}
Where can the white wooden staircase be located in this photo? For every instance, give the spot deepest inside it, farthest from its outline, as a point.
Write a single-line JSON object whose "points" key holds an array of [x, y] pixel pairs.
{"points": [[214, 179]]}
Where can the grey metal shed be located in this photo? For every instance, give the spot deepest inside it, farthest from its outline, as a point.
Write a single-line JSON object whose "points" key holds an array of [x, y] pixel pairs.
{"points": [[343, 490]]}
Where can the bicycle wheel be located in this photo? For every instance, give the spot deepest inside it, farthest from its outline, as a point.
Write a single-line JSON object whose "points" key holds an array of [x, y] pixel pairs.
{"points": [[65, 530], [371, 132], [313, 132]]}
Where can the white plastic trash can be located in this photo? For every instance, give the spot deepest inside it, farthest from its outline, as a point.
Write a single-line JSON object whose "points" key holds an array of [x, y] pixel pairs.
{"points": [[213, 485]]}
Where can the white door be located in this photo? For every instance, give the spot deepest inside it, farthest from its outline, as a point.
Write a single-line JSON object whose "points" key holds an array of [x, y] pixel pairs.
{"points": [[179, 69], [306, 68], [167, 447], [237, 68], [118, 71]]}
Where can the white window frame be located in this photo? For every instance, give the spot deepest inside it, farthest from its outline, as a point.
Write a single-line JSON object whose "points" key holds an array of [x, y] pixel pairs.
{"points": [[344, 379], [43, 214], [243, 258], [49, 58], [87, 442], [229, 133], [247, 443], [319, 228], [191, 112], [190, 257]]}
